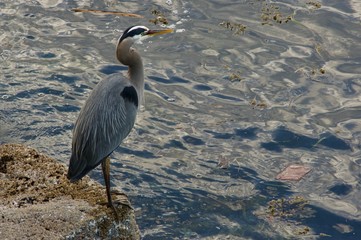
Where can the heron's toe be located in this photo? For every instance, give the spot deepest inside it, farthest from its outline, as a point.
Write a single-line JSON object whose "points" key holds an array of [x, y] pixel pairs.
{"points": [[117, 192], [123, 200]]}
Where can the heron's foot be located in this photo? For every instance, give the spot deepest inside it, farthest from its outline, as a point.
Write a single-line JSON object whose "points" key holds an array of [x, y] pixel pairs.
{"points": [[114, 211], [118, 199], [121, 198], [114, 205], [117, 192], [124, 203]]}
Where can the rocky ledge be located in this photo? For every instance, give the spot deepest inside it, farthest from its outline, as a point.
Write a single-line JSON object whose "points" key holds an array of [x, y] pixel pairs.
{"points": [[38, 202]]}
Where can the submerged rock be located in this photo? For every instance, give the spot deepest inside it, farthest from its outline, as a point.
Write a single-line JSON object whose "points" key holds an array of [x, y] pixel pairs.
{"points": [[38, 202]]}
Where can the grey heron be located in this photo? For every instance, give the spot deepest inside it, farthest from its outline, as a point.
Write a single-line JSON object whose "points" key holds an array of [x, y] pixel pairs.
{"points": [[109, 113]]}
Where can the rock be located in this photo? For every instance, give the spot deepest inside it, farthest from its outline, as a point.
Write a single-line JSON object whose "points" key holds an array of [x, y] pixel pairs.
{"points": [[38, 202]]}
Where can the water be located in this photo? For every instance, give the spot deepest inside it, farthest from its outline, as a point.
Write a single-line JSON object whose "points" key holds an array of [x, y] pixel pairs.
{"points": [[253, 102]]}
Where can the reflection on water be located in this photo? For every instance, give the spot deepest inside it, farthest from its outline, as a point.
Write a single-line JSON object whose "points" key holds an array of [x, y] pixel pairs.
{"points": [[224, 112]]}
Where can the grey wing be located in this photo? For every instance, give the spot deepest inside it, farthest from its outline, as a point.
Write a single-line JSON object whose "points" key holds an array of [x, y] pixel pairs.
{"points": [[105, 120]]}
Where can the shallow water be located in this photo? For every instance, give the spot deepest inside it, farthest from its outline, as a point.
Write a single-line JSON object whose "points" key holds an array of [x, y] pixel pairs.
{"points": [[253, 102]]}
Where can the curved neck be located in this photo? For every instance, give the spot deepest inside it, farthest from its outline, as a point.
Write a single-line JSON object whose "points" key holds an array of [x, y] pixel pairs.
{"points": [[131, 58]]}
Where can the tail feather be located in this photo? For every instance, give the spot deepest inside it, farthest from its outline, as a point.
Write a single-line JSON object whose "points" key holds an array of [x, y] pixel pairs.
{"points": [[75, 171], [78, 168]]}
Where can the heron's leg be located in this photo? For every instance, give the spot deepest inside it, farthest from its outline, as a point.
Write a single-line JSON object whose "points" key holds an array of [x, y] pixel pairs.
{"points": [[106, 174]]}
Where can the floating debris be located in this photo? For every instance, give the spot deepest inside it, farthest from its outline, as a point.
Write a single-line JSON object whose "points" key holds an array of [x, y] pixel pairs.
{"points": [[237, 27], [315, 71], [303, 231], [314, 4], [258, 104], [293, 172], [285, 208], [235, 77], [312, 71], [223, 162], [318, 49], [271, 13], [108, 12], [159, 19]]}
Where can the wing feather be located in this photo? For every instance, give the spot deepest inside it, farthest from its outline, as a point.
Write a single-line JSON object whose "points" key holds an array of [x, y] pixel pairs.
{"points": [[103, 123]]}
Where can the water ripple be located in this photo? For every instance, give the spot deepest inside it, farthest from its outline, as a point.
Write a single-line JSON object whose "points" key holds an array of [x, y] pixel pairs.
{"points": [[223, 114]]}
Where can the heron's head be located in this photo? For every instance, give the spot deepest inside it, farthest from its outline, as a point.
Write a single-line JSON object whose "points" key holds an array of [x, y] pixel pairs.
{"points": [[138, 33]]}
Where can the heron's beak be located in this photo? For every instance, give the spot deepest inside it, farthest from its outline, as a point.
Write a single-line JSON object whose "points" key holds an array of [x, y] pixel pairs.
{"points": [[158, 32]]}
